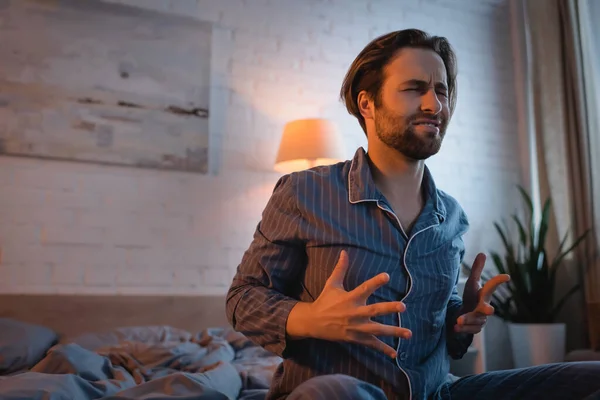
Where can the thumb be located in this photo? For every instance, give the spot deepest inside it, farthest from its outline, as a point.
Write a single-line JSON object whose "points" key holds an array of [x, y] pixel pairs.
{"points": [[477, 268], [490, 287], [339, 271]]}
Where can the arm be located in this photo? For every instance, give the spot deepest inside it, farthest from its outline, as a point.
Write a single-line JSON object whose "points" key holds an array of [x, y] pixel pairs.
{"points": [[457, 343], [262, 300], [260, 297]]}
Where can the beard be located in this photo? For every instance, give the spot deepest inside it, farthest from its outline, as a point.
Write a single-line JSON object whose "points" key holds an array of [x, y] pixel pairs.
{"points": [[399, 133]]}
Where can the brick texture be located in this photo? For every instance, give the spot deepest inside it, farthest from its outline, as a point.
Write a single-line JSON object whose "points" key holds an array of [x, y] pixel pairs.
{"points": [[76, 228]]}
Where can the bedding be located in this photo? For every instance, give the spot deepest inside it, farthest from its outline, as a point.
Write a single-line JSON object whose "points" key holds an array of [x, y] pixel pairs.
{"points": [[146, 362]]}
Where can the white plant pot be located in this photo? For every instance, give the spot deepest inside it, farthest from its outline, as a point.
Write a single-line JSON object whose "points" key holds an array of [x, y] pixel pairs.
{"points": [[537, 344]]}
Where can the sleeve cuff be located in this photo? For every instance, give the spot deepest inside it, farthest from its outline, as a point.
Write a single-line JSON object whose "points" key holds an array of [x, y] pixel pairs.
{"points": [[282, 344]]}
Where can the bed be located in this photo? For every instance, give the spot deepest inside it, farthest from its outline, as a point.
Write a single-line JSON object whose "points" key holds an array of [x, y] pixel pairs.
{"points": [[126, 347]]}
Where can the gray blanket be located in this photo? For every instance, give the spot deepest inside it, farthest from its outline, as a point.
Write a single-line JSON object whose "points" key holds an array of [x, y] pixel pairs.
{"points": [[138, 363]]}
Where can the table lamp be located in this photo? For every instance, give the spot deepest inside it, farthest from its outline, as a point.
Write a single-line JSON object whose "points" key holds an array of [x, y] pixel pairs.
{"points": [[308, 143]]}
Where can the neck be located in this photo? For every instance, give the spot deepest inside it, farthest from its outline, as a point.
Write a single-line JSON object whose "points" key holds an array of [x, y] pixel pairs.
{"points": [[395, 175]]}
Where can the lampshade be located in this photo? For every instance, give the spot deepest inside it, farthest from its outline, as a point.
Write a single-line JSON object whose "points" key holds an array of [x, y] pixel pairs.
{"points": [[307, 143]]}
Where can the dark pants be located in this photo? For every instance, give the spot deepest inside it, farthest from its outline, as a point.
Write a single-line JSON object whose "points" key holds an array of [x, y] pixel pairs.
{"points": [[570, 381]]}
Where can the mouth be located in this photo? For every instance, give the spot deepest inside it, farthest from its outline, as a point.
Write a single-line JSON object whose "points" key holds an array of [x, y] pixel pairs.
{"points": [[429, 123]]}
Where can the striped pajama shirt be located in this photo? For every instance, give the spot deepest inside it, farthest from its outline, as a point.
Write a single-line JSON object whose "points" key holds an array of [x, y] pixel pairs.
{"points": [[311, 216]]}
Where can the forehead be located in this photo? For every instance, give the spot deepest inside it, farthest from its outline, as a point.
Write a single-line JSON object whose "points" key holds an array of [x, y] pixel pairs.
{"points": [[411, 63]]}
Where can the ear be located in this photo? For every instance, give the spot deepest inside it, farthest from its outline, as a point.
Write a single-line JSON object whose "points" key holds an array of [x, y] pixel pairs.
{"points": [[365, 105]]}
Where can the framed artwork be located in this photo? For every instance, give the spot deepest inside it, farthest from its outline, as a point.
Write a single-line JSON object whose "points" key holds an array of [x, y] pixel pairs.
{"points": [[89, 81]]}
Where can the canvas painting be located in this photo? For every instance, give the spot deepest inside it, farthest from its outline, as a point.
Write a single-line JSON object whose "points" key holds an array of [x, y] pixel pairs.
{"points": [[105, 83]]}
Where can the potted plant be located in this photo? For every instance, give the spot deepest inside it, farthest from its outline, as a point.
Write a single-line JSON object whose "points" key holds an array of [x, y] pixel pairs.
{"points": [[527, 303]]}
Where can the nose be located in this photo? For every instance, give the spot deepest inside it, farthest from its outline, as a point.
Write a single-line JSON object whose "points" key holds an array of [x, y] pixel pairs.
{"points": [[430, 102]]}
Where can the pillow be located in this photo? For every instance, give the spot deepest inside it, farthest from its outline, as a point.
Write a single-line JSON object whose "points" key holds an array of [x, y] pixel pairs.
{"points": [[23, 345]]}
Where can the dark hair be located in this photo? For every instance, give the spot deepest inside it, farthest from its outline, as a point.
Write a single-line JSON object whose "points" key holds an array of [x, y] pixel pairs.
{"points": [[367, 70]]}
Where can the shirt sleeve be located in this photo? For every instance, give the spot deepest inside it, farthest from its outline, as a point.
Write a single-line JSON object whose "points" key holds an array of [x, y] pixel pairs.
{"points": [[261, 295], [457, 343]]}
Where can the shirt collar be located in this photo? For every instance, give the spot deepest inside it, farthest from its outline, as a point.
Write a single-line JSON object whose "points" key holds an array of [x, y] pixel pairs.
{"points": [[361, 186]]}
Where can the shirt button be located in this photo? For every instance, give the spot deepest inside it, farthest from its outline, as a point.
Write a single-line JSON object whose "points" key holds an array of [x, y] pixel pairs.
{"points": [[403, 356]]}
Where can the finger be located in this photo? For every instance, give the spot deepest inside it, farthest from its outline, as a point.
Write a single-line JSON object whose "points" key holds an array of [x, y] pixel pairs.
{"points": [[339, 271], [472, 318], [486, 292], [365, 289], [374, 343], [375, 310], [477, 267], [484, 309], [471, 329], [377, 329]]}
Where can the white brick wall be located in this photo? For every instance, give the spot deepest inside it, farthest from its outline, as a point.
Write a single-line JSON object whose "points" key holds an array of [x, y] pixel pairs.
{"points": [[77, 228]]}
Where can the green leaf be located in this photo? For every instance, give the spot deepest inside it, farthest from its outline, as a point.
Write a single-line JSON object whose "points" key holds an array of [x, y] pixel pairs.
{"points": [[526, 198], [501, 307], [507, 244], [557, 260], [498, 262], [562, 302], [544, 224], [522, 237], [561, 245], [530, 210], [517, 286]]}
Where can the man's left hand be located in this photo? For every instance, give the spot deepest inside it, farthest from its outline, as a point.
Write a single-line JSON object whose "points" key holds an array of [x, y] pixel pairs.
{"points": [[476, 299]]}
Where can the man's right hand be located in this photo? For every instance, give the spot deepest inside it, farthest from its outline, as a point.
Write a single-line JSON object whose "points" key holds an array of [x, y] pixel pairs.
{"points": [[342, 316]]}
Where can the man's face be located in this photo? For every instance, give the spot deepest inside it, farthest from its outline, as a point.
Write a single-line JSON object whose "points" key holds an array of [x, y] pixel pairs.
{"points": [[412, 113]]}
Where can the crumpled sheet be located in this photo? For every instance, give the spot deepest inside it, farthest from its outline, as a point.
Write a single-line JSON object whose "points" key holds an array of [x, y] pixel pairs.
{"points": [[148, 363]]}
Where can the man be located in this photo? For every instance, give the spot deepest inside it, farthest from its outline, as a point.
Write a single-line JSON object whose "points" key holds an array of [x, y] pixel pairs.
{"points": [[352, 273]]}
